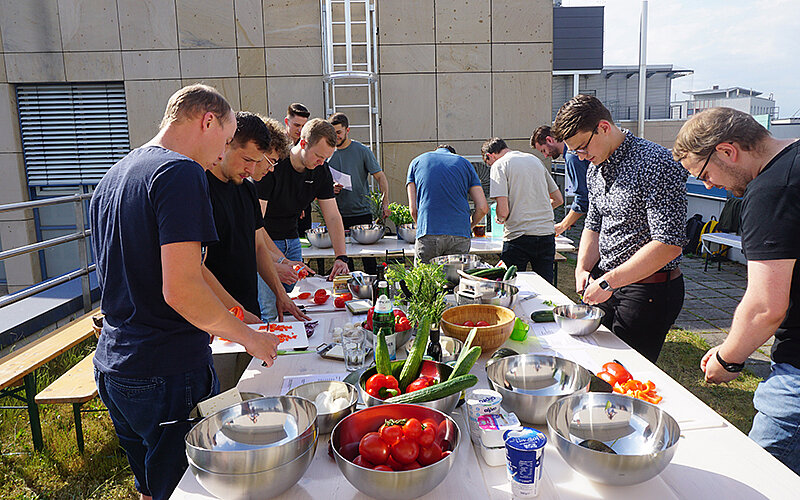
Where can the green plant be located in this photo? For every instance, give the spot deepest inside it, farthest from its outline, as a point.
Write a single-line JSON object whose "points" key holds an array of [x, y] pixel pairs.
{"points": [[375, 199], [401, 214], [426, 283]]}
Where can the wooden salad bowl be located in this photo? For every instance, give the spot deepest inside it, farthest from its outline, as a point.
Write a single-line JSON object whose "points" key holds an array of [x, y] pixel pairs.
{"points": [[500, 319]]}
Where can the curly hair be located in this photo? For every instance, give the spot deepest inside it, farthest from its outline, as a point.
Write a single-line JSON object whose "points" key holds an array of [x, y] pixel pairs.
{"points": [[278, 140]]}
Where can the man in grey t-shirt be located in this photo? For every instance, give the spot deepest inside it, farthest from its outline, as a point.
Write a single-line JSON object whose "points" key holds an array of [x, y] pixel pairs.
{"points": [[356, 160], [526, 195]]}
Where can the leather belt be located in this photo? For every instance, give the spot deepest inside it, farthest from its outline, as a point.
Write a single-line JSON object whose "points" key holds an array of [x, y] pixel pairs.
{"points": [[661, 277]]}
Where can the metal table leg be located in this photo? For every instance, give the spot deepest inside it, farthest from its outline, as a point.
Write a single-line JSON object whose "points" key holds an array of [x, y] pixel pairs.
{"points": [[33, 411]]}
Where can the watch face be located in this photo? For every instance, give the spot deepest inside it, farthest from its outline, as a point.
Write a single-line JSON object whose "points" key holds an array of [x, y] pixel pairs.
{"points": [[604, 284]]}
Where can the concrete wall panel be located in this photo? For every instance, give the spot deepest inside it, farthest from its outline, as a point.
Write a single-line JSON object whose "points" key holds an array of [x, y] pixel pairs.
{"points": [[408, 107], [252, 61], [10, 140], [463, 21], [205, 24], [148, 24], [522, 57], [294, 61], [522, 21], [407, 21], [464, 106], [407, 58], [520, 103], [282, 91], [89, 24], [208, 63], [151, 64], [93, 66], [249, 23], [29, 26], [228, 87], [253, 95], [146, 101], [395, 159], [294, 23], [35, 67], [463, 58]]}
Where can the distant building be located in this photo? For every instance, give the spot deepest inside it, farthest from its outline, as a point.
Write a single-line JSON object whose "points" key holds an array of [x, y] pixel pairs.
{"points": [[785, 128], [740, 98]]}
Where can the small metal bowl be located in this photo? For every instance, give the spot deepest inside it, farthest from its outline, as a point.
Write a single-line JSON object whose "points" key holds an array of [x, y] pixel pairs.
{"points": [[310, 391], [319, 237], [472, 290], [367, 234], [643, 436], [364, 289], [579, 319], [530, 383], [439, 371], [401, 485], [407, 232], [451, 344], [452, 264]]}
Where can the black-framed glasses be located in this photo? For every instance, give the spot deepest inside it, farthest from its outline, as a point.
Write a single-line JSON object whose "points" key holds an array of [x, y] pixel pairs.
{"points": [[699, 175], [582, 150]]}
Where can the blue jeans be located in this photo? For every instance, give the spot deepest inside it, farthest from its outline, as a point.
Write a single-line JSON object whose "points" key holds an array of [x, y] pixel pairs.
{"points": [[776, 426], [157, 455], [266, 299], [540, 251]]}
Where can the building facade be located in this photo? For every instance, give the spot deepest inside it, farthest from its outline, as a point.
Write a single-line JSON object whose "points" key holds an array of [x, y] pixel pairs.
{"points": [[747, 100]]}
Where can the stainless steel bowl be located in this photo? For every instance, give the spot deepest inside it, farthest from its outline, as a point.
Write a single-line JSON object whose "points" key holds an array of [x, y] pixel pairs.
{"points": [[253, 436], [530, 383], [362, 290], [394, 485], [254, 485], [643, 436], [473, 290], [310, 391], [319, 237], [407, 232], [452, 264], [367, 234], [398, 339], [247, 396], [451, 344], [439, 371], [578, 319]]}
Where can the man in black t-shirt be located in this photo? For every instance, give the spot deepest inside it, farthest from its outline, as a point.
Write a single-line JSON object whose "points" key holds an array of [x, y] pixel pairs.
{"points": [[296, 181], [242, 247], [727, 148], [296, 116]]}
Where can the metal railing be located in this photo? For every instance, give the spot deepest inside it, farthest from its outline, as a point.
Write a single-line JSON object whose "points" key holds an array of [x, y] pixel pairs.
{"points": [[83, 255]]}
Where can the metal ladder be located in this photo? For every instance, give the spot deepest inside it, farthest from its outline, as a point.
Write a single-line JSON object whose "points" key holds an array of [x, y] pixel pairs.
{"points": [[349, 35]]}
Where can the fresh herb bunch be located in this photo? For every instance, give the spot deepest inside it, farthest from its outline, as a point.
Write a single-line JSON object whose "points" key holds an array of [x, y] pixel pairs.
{"points": [[426, 282], [401, 214], [375, 199]]}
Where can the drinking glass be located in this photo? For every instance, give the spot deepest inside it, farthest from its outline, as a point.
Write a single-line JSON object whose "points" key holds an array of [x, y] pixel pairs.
{"points": [[354, 349]]}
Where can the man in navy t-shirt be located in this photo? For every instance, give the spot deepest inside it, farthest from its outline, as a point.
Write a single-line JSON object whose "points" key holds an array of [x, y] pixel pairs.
{"points": [[151, 220]]}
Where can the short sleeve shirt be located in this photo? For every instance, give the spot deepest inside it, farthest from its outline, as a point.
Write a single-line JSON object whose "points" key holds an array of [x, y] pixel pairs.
{"points": [[232, 259], [770, 219], [636, 196], [443, 181], [575, 169], [357, 161], [524, 179], [288, 192], [150, 198]]}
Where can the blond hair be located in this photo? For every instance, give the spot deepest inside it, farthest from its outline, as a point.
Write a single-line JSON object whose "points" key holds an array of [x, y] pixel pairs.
{"points": [[705, 130], [317, 129], [193, 101]]}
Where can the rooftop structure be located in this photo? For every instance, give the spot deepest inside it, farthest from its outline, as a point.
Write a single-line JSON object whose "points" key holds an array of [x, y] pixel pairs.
{"points": [[740, 98]]}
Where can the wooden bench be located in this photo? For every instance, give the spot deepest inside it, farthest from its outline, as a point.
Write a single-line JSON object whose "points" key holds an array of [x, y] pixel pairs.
{"points": [[20, 366], [558, 258], [76, 386]]}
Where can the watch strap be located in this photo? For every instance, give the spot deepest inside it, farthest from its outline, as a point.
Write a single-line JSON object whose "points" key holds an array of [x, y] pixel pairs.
{"points": [[731, 367], [343, 258]]}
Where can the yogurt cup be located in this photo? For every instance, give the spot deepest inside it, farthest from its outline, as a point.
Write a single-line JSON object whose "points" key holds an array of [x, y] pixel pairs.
{"points": [[481, 402], [524, 451]]}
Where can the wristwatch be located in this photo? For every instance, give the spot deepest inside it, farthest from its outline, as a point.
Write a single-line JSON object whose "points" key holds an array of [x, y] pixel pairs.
{"points": [[343, 258], [602, 283], [731, 367]]}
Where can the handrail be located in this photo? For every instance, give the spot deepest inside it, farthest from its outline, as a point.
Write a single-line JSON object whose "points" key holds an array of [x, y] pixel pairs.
{"points": [[83, 255]]}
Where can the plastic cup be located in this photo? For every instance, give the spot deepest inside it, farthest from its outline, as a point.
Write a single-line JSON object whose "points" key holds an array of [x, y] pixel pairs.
{"points": [[520, 331], [354, 349]]}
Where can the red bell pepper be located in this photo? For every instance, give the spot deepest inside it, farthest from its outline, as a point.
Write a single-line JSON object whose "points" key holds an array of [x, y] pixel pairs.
{"points": [[421, 383], [382, 386]]}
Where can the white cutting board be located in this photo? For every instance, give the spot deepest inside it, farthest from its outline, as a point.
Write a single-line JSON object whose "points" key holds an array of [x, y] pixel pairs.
{"points": [[297, 334], [311, 285]]}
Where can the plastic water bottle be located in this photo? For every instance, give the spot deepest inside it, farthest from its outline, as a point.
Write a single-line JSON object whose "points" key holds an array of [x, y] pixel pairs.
{"points": [[497, 228], [383, 319]]}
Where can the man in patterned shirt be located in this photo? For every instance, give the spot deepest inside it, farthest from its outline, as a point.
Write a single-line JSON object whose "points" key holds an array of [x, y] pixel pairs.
{"points": [[635, 229]]}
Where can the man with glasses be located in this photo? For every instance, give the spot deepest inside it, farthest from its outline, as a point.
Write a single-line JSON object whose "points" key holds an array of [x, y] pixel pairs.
{"points": [[635, 229], [727, 148]]}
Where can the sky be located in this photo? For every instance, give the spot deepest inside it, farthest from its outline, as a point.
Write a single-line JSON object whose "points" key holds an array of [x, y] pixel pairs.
{"points": [[730, 43]]}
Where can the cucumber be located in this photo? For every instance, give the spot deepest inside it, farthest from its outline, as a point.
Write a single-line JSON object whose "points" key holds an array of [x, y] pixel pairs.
{"points": [[542, 316], [490, 273], [414, 360], [437, 391], [512, 271], [382, 362], [464, 364]]}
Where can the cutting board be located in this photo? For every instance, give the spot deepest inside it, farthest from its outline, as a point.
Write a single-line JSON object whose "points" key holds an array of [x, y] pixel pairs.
{"points": [[296, 334], [311, 285]]}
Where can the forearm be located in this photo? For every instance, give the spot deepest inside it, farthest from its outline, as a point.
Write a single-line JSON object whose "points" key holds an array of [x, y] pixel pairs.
{"points": [[336, 230], [589, 251], [556, 199], [477, 215], [752, 326], [383, 185], [571, 218], [646, 261], [411, 191]]}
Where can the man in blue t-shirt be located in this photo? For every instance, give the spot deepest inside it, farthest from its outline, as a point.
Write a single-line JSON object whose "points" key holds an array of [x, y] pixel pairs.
{"points": [[575, 168], [151, 220], [439, 183]]}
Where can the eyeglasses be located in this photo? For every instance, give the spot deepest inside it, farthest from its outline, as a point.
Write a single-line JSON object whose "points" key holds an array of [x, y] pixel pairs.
{"points": [[582, 150], [271, 162], [699, 175]]}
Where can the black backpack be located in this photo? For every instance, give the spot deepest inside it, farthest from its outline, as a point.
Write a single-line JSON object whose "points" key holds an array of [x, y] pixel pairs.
{"points": [[730, 219], [694, 227]]}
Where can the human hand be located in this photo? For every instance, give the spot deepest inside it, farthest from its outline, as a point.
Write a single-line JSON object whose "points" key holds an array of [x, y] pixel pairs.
{"points": [[250, 318], [339, 267], [286, 305], [593, 294], [294, 263], [386, 212], [337, 188], [715, 373], [582, 279], [286, 273], [264, 346], [560, 228]]}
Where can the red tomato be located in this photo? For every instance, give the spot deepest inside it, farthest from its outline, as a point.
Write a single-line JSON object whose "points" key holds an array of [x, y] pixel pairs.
{"points": [[359, 460], [412, 466], [238, 312], [391, 434], [618, 371], [300, 270], [405, 451], [321, 291], [341, 299], [481, 323], [429, 454], [604, 375], [373, 449], [349, 451], [468, 323], [430, 421], [427, 436], [304, 295], [320, 299], [384, 468], [394, 464], [412, 429]]}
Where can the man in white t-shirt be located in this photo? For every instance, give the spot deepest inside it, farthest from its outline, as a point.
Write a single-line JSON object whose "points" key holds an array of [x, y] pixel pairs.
{"points": [[526, 195]]}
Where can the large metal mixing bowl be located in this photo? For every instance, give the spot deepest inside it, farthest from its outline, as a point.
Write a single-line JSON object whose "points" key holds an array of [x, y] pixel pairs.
{"points": [[367, 234], [254, 485], [482, 291], [452, 264], [643, 436], [579, 319], [394, 485], [362, 288], [319, 237], [407, 232], [310, 391], [439, 371], [253, 436], [530, 383]]}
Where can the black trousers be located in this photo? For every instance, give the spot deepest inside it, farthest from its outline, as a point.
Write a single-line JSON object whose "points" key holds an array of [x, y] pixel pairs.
{"points": [[370, 264], [642, 314], [540, 251]]}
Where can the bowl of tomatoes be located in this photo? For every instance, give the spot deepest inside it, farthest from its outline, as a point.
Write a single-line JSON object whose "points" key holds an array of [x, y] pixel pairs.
{"points": [[395, 451]]}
